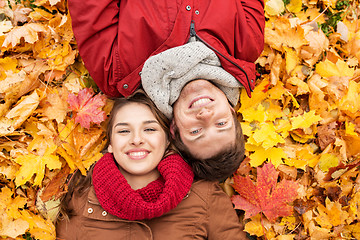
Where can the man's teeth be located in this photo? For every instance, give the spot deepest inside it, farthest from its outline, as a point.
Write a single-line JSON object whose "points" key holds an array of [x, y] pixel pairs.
{"points": [[201, 101], [137, 154]]}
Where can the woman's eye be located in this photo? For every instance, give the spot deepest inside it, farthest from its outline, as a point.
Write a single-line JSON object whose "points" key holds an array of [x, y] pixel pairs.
{"points": [[150, 130], [123, 131]]}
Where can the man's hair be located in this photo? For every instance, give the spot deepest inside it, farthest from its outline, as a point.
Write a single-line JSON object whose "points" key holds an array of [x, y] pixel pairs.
{"points": [[220, 166]]}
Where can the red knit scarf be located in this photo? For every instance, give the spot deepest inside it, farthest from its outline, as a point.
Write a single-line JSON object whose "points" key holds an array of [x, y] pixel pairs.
{"points": [[158, 197]]}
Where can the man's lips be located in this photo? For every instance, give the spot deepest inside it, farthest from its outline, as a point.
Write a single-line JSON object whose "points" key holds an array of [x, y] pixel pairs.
{"points": [[137, 154], [200, 101]]}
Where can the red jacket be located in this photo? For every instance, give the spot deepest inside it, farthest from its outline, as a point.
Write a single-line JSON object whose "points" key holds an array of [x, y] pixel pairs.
{"points": [[115, 38]]}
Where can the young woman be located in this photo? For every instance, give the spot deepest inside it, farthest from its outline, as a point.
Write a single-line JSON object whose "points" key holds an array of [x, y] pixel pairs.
{"points": [[140, 189]]}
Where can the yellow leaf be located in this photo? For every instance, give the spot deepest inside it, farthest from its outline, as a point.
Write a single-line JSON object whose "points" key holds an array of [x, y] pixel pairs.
{"points": [[294, 6], [273, 111], [257, 96], [354, 229], [350, 129], [292, 59], [40, 15], [254, 227], [302, 87], [331, 215], [329, 69], [285, 35], [33, 164], [246, 128], [39, 227], [255, 114], [283, 127], [355, 206], [305, 121], [304, 156], [289, 222], [311, 14], [266, 136], [274, 7], [260, 155], [350, 103], [277, 91], [327, 161], [8, 63]]}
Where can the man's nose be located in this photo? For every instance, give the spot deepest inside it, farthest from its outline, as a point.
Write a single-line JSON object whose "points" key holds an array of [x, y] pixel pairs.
{"points": [[205, 114]]}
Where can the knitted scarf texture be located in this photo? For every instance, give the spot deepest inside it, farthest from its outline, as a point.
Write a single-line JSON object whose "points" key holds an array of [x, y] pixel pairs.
{"points": [[160, 196]]}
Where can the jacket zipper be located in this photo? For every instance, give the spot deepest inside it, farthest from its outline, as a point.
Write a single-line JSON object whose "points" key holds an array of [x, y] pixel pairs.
{"points": [[193, 34]]}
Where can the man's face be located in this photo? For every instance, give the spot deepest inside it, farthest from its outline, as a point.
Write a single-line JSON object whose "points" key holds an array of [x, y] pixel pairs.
{"points": [[203, 116]]}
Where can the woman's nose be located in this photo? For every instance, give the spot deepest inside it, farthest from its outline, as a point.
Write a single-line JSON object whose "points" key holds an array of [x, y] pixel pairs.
{"points": [[137, 139]]}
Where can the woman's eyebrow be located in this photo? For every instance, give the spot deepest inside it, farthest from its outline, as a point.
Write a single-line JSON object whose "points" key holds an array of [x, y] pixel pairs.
{"points": [[121, 124], [150, 121]]}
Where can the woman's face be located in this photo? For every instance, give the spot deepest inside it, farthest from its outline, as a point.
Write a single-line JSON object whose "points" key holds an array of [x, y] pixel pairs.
{"points": [[138, 141]]}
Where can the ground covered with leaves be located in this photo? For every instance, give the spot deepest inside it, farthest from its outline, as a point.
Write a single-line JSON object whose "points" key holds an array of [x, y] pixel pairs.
{"points": [[300, 178]]}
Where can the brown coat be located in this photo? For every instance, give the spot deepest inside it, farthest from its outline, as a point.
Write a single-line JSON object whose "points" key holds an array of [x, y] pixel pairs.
{"points": [[206, 213]]}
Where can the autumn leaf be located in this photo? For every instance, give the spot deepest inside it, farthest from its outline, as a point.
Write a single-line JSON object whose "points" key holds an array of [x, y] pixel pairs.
{"points": [[87, 107], [34, 164], [29, 32], [267, 196]]}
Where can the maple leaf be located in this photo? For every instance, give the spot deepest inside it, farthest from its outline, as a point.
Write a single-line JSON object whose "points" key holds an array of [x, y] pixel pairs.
{"points": [[267, 196], [87, 107], [33, 164], [28, 31]]}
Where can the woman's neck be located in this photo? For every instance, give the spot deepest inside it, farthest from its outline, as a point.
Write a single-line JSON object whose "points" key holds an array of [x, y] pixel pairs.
{"points": [[137, 182]]}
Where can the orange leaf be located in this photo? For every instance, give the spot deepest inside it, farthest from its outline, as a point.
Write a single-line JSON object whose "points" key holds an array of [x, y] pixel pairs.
{"points": [[267, 196], [87, 107]]}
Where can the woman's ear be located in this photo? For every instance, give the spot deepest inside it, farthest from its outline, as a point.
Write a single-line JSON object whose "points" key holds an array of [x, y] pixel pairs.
{"points": [[110, 150]]}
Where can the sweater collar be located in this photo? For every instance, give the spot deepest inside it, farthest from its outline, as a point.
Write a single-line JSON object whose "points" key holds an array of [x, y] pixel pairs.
{"points": [[160, 196]]}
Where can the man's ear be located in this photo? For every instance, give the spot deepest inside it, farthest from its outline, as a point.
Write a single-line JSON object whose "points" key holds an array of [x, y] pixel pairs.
{"points": [[172, 127], [110, 150]]}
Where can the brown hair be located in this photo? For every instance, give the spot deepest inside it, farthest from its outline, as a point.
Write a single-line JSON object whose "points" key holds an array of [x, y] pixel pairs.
{"points": [[220, 166], [79, 184]]}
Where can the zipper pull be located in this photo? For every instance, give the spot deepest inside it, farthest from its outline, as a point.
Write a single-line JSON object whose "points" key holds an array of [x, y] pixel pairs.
{"points": [[192, 29]]}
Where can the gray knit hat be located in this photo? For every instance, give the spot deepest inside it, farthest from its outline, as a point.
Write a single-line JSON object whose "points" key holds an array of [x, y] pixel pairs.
{"points": [[164, 75]]}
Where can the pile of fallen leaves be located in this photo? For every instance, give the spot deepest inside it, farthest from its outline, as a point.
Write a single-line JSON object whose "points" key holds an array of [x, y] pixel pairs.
{"points": [[300, 179]]}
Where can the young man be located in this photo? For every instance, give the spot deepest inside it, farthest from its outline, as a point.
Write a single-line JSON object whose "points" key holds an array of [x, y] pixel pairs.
{"points": [[115, 38], [188, 84]]}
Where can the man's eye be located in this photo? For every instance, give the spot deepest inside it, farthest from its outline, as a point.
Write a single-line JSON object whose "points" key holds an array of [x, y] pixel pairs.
{"points": [[221, 123], [195, 131]]}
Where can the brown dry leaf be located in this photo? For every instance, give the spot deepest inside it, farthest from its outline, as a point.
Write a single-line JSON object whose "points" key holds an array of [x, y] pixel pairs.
{"points": [[29, 32], [55, 106], [17, 115], [284, 35], [318, 43]]}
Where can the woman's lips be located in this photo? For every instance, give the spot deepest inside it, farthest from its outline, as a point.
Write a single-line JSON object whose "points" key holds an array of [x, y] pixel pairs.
{"points": [[137, 154]]}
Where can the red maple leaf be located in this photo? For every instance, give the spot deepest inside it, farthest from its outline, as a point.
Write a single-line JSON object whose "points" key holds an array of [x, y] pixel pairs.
{"points": [[87, 107], [267, 196]]}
